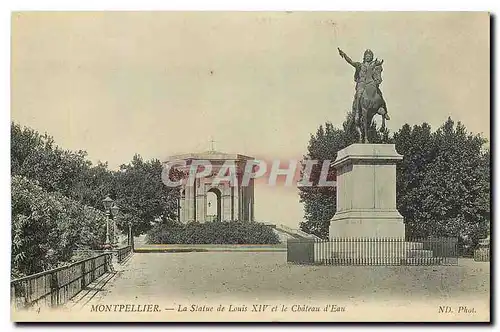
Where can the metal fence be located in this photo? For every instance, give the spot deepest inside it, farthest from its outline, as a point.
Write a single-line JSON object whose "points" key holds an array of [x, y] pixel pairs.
{"points": [[482, 255], [119, 254], [374, 251], [482, 252], [55, 287], [123, 253]]}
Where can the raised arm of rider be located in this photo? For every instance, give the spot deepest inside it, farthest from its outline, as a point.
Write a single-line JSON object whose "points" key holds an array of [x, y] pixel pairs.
{"points": [[348, 59]]}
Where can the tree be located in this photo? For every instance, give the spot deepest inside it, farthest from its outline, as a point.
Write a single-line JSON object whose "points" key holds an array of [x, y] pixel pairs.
{"points": [[320, 202], [141, 193], [93, 184], [137, 186], [48, 227], [37, 157], [443, 182], [417, 147], [57, 200]]}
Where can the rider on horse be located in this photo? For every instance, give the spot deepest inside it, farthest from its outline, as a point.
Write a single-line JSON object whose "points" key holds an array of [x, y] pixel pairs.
{"points": [[367, 72]]}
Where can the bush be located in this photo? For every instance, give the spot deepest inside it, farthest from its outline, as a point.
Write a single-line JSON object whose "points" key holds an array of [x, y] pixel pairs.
{"points": [[214, 232], [47, 227]]}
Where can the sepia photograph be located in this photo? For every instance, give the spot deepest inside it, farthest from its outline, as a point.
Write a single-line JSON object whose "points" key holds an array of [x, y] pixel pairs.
{"points": [[250, 166]]}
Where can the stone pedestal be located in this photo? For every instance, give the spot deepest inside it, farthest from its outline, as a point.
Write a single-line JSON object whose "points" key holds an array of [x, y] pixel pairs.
{"points": [[366, 193]]}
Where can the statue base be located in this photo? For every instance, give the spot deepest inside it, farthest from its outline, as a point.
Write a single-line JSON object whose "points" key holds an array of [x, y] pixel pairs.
{"points": [[367, 224], [366, 193]]}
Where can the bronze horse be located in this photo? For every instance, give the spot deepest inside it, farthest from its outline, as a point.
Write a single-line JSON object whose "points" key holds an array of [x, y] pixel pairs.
{"points": [[370, 103]]}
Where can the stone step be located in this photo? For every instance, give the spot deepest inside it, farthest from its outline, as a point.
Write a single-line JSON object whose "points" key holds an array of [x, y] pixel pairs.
{"points": [[361, 261], [423, 261], [383, 261], [361, 249], [356, 255], [359, 255]]}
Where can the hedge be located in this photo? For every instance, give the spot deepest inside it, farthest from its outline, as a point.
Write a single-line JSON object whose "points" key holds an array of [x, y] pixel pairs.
{"points": [[213, 232]]}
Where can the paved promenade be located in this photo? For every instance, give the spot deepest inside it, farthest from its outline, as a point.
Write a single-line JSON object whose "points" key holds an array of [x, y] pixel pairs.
{"points": [[169, 281], [259, 276]]}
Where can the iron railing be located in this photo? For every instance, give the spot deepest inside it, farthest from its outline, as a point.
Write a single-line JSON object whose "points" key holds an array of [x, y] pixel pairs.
{"points": [[120, 254], [374, 251], [482, 254], [55, 287], [123, 253]]}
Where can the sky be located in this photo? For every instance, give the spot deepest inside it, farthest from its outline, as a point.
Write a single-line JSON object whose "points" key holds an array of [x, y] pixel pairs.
{"points": [[258, 83]]}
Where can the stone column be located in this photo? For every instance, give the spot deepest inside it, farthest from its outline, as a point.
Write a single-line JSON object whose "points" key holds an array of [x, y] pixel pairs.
{"points": [[366, 193], [201, 196], [235, 198], [182, 204], [189, 204], [252, 197], [241, 207], [244, 204], [226, 202]]}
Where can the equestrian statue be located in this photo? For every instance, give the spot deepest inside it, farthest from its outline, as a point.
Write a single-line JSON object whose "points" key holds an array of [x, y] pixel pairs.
{"points": [[368, 99]]}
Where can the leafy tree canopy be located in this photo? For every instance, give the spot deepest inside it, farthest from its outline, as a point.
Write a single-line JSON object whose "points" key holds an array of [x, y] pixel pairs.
{"points": [[56, 190], [443, 181]]}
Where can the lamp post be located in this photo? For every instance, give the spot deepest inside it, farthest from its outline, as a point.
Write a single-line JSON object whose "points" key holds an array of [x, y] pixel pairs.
{"points": [[130, 236], [114, 212], [107, 202]]}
